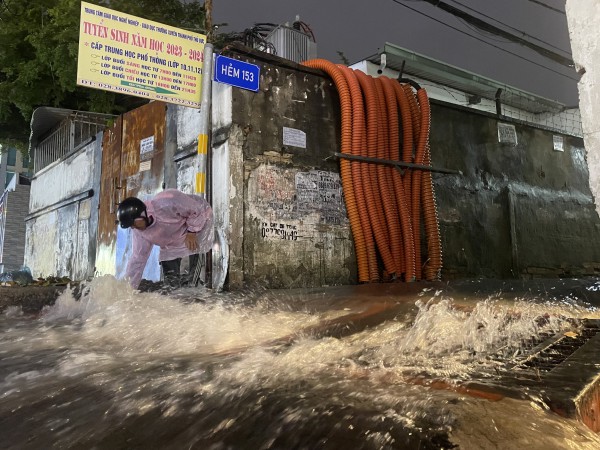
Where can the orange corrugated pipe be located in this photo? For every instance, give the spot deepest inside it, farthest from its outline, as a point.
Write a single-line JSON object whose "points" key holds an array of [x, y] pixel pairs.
{"points": [[385, 176], [421, 110], [359, 133], [407, 156], [345, 169], [397, 96], [383, 196], [433, 266], [393, 151], [410, 126], [371, 183], [416, 176], [407, 137]]}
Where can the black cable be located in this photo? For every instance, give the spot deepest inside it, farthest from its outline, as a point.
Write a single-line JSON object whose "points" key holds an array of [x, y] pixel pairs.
{"points": [[522, 33], [547, 6], [481, 40], [487, 26], [488, 34]]}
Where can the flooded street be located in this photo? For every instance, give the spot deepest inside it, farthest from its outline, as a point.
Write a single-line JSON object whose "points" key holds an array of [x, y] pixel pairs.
{"points": [[428, 366]]}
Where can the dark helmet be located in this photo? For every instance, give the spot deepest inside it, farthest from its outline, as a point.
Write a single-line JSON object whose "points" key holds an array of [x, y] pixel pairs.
{"points": [[130, 209]]}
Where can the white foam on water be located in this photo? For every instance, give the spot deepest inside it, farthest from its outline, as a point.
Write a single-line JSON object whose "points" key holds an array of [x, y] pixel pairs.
{"points": [[443, 340], [154, 352], [114, 318]]}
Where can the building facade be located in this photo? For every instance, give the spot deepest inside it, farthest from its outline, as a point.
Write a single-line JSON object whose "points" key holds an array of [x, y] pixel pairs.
{"points": [[15, 176], [515, 203]]}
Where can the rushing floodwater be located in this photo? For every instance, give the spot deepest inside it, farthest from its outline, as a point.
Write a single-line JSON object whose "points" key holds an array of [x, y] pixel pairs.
{"points": [[121, 369]]}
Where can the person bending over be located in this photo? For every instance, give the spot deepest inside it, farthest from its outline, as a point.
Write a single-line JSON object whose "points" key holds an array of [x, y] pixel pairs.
{"points": [[180, 224]]}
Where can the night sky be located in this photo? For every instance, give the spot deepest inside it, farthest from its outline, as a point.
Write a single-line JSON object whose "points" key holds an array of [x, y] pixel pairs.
{"points": [[359, 29]]}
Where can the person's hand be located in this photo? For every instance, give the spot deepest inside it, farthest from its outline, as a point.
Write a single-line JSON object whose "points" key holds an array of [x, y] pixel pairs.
{"points": [[190, 241]]}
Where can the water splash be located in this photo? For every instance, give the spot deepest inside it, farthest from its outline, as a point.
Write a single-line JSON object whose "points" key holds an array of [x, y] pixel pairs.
{"points": [[113, 317], [196, 370]]}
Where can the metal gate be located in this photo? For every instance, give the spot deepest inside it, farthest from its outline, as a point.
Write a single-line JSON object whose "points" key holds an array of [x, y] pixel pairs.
{"points": [[133, 164]]}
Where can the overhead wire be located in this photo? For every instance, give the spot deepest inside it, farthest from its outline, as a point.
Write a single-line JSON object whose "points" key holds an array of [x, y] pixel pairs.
{"points": [[399, 2], [522, 33], [547, 6], [499, 31], [488, 34]]}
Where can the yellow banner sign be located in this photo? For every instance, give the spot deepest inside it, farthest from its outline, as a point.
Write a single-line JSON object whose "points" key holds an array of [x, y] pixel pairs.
{"points": [[130, 55]]}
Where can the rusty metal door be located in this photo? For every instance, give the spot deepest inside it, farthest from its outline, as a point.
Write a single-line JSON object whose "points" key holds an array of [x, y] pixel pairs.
{"points": [[132, 165], [110, 183], [143, 149]]}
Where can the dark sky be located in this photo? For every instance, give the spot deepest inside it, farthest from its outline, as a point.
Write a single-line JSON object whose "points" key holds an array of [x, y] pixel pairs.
{"points": [[359, 28]]}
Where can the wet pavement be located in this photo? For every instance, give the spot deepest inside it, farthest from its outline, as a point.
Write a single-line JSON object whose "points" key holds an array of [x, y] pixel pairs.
{"points": [[469, 364]]}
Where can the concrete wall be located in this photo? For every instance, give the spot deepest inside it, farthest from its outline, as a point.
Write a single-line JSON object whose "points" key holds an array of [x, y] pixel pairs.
{"points": [[277, 196], [62, 223], [522, 210], [519, 210], [583, 17]]}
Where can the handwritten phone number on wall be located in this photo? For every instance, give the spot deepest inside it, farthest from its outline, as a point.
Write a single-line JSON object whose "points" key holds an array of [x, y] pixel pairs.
{"points": [[279, 231]]}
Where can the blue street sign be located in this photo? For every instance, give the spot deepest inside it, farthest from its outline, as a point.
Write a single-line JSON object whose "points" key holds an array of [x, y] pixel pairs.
{"points": [[237, 73]]}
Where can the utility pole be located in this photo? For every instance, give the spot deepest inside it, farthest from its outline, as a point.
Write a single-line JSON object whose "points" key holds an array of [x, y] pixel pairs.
{"points": [[204, 153], [485, 26], [208, 20]]}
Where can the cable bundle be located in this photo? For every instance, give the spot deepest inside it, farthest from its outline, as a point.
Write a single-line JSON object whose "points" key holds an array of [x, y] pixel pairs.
{"points": [[390, 120]]}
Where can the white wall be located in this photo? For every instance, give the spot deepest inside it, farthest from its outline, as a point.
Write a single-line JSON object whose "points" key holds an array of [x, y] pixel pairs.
{"points": [[583, 17], [63, 180], [61, 229]]}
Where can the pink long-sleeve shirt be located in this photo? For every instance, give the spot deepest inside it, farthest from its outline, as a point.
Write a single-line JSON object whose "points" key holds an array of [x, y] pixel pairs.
{"points": [[175, 214]]}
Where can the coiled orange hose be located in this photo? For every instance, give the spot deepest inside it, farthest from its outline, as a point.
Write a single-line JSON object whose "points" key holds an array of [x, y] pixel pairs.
{"points": [[393, 150], [375, 208], [432, 230], [345, 169], [385, 176], [420, 142], [393, 93], [358, 168], [384, 206]]}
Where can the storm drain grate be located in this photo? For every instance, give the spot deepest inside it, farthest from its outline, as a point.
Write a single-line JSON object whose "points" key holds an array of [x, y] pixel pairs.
{"points": [[559, 348]]}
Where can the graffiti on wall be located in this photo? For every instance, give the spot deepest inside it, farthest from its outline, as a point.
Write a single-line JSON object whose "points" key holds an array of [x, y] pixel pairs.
{"points": [[275, 230], [321, 191], [290, 203], [275, 193]]}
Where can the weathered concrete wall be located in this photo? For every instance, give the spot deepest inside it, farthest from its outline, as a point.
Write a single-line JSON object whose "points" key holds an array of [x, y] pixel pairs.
{"points": [[187, 125], [62, 224], [518, 211], [583, 17], [522, 210], [291, 229]]}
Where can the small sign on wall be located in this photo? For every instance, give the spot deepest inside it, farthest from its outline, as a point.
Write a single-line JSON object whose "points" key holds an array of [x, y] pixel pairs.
{"points": [[294, 137], [147, 148], [559, 143], [507, 134]]}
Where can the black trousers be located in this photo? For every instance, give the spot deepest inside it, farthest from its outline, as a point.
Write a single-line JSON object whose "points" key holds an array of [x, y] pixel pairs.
{"points": [[172, 272]]}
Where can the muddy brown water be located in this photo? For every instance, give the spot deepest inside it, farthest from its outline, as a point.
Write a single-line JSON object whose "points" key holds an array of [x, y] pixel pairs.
{"points": [[423, 366]]}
